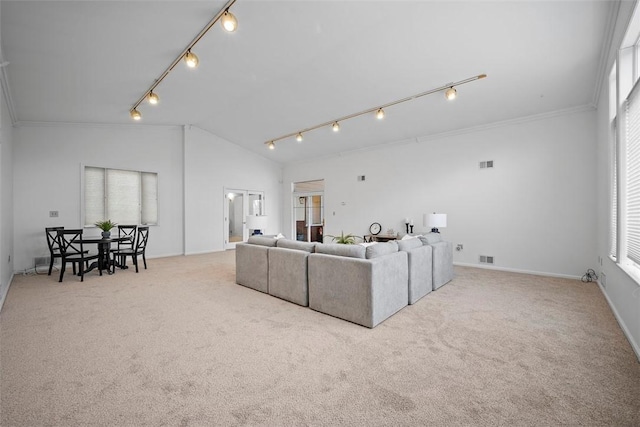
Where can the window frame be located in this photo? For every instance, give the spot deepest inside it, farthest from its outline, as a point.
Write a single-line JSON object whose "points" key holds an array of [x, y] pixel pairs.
{"points": [[83, 168]]}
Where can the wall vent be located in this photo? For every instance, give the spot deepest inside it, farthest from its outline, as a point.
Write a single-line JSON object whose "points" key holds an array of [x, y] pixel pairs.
{"points": [[486, 164], [485, 259], [361, 177]]}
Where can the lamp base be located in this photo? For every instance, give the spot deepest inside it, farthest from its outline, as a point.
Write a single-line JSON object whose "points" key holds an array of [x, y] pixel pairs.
{"points": [[435, 230], [256, 233]]}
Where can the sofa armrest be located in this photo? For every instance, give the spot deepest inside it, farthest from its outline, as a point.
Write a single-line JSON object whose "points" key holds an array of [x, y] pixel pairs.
{"points": [[252, 266], [442, 263]]}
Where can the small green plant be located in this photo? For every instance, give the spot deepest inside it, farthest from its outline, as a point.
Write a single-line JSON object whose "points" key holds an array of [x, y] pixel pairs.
{"points": [[345, 239], [105, 225]]}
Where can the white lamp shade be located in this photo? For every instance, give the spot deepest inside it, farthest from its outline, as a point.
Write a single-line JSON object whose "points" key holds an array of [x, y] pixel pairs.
{"points": [[256, 222], [435, 220]]}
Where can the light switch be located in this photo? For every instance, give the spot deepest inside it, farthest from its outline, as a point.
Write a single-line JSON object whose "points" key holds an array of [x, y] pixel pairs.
{"points": [[53, 214]]}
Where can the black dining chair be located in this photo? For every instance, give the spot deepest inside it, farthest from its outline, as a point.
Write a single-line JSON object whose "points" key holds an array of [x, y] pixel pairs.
{"points": [[72, 250], [54, 248], [125, 231], [138, 250]]}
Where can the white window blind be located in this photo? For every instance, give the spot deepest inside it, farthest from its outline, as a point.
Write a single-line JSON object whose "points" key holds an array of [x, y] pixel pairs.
{"points": [[125, 197], [613, 232], [632, 152]]}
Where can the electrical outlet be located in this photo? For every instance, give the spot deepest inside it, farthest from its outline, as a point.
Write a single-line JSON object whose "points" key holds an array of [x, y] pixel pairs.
{"points": [[53, 214], [459, 247]]}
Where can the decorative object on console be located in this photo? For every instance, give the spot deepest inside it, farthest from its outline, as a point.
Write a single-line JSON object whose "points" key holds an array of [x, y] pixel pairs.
{"points": [[257, 223], [406, 225], [375, 228], [434, 221]]}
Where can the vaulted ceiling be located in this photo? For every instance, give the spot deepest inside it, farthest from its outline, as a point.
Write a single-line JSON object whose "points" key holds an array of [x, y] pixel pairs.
{"points": [[295, 64]]}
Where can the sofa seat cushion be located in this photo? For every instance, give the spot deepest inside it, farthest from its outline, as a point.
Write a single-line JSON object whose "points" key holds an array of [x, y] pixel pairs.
{"points": [[381, 249], [294, 244], [262, 241], [408, 244], [337, 249]]}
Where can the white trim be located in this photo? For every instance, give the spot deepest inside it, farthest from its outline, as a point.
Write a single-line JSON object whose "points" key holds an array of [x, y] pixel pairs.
{"points": [[605, 51], [516, 270], [95, 125], [634, 346], [448, 134], [6, 291]]}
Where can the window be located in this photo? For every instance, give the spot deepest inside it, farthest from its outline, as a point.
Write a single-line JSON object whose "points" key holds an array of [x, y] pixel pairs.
{"points": [[125, 197]]}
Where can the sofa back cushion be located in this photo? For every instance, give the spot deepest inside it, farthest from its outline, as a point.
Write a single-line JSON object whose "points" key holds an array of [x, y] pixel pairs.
{"points": [[262, 241], [294, 244], [431, 238], [408, 244], [381, 249], [351, 251]]}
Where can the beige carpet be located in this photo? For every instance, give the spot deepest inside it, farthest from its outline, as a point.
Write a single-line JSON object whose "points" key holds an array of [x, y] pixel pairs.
{"points": [[180, 344]]}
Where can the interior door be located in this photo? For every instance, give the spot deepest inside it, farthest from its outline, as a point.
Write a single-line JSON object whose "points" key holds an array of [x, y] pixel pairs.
{"points": [[235, 212], [237, 205]]}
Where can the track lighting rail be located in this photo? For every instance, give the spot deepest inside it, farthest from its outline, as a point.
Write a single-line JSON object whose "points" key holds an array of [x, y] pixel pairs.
{"points": [[175, 62], [271, 143]]}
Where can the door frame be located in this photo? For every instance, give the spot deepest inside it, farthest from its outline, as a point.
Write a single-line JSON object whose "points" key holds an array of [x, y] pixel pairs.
{"points": [[245, 211]]}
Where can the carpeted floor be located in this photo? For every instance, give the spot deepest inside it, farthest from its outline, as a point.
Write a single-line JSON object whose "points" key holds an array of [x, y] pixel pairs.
{"points": [[180, 344]]}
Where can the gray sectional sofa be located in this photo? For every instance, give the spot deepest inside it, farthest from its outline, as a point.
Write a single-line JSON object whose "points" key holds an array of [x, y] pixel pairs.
{"points": [[364, 285]]}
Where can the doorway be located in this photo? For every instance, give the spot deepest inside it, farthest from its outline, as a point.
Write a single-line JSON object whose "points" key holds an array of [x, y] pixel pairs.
{"points": [[237, 205], [308, 211]]}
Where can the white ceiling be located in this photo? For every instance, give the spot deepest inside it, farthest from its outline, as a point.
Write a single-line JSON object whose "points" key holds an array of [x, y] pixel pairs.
{"points": [[295, 64]]}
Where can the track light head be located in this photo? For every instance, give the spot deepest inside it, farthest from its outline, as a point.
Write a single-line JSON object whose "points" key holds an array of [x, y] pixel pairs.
{"points": [[135, 114], [299, 137], [229, 21], [153, 98], [191, 59], [335, 127], [451, 93], [271, 145], [380, 114]]}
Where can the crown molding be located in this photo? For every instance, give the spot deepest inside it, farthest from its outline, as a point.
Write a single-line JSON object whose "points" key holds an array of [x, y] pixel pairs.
{"points": [[6, 89], [27, 123], [449, 134], [606, 56]]}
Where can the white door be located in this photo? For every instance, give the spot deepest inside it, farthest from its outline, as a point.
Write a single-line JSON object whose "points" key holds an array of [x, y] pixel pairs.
{"points": [[237, 205]]}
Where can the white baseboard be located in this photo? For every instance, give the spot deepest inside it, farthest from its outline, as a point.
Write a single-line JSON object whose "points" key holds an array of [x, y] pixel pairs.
{"points": [[6, 291], [515, 270], [623, 326]]}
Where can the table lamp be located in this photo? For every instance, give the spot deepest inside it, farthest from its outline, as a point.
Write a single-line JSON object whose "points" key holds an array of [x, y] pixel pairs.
{"points": [[434, 221], [257, 223]]}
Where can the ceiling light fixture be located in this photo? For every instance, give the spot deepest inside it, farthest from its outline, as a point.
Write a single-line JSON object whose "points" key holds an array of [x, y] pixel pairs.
{"points": [[380, 114], [191, 59], [229, 21], [299, 137], [451, 93], [153, 98], [135, 114], [448, 88]]}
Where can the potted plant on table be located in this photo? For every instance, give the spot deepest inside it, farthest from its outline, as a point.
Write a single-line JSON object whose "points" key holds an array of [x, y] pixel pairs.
{"points": [[106, 227], [345, 239]]}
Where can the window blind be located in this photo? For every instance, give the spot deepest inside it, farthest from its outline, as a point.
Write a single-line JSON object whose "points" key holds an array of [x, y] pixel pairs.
{"points": [[149, 211], [93, 195], [613, 232], [123, 196], [632, 152]]}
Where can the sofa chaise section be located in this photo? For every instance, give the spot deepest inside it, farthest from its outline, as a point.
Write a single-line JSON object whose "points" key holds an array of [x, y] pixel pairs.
{"points": [[363, 286], [288, 271], [252, 262], [420, 267], [442, 258]]}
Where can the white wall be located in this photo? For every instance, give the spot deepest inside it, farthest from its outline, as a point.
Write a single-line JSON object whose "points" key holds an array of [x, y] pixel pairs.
{"points": [[621, 291], [535, 211], [48, 164], [6, 199], [211, 165]]}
